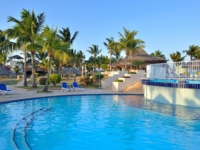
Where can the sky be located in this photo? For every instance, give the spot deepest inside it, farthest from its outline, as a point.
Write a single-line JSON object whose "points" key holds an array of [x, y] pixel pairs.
{"points": [[165, 25]]}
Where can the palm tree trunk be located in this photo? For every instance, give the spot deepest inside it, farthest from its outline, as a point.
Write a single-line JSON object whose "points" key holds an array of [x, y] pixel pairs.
{"points": [[132, 61], [110, 61], [47, 80], [126, 60], [34, 85], [25, 76]]}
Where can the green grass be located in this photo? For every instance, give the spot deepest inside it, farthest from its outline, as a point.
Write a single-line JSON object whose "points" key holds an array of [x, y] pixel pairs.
{"points": [[29, 88], [8, 81]]}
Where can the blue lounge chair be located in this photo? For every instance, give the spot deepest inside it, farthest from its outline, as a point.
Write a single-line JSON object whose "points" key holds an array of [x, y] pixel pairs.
{"points": [[65, 87], [76, 86], [4, 90]]}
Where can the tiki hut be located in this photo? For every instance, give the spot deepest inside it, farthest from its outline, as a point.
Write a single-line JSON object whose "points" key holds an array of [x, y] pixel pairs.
{"points": [[4, 71], [142, 56]]}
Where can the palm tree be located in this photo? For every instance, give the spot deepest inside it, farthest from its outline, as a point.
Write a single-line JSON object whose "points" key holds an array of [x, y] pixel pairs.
{"points": [[117, 50], [110, 47], [94, 50], [65, 35], [129, 43], [192, 51], [26, 31], [157, 53], [4, 57], [53, 46], [176, 57], [5, 44]]}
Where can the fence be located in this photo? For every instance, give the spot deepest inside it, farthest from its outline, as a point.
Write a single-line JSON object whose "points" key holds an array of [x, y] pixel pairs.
{"points": [[190, 69]]}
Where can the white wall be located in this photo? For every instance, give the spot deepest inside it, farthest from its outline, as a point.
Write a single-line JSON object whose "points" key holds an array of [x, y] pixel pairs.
{"points": [[176, 96], [120, 86], [155, 71], [112, 77]]}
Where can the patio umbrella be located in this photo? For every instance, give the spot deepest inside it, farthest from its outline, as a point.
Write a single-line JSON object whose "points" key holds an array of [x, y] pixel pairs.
{"points": [[4, 71], [70, 70]]}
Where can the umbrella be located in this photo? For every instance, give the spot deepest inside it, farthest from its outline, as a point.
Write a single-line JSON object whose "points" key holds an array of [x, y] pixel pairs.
{"points": [[4, 71], [70, 70]]}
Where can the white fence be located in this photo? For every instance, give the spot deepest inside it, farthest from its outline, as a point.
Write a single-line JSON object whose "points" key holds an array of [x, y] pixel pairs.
{"points": [[189, 69]]}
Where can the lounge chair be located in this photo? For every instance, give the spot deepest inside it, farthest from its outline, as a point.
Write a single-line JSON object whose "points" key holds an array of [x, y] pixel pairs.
{"points": [[76, 86], [4, 90], [65, 87]]}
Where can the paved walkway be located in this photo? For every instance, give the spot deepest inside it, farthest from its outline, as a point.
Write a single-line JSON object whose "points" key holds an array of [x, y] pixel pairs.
{"points": [[20, 94], [21, 83]]}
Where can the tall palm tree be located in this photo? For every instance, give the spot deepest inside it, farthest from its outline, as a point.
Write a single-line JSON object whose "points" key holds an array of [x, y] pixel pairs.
{"points": [[117, 50], [65, 35], [157, 53], [5, 44], [129, 43], [191, 51], [110, 46], [26, 31], [4, 57], [176, 57], [53, 46], [94, 50]]}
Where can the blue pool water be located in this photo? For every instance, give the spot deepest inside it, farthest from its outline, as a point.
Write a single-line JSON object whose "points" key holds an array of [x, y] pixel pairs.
{"points": [[164, 80], [98, 122]]}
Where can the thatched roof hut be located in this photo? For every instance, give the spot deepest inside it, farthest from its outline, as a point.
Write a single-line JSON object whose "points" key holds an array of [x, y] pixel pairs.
{"points": [[70, 70], [4, 71], [141, 55]]}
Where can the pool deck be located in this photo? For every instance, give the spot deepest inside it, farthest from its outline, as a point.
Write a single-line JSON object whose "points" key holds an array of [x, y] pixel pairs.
{"points": [[21, 94]]}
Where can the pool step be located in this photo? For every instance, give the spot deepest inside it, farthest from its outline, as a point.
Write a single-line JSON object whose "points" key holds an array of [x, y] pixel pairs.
{"points": [[19, 132], [135, 88]]}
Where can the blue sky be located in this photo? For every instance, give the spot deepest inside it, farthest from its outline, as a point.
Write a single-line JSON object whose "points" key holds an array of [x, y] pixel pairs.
{"points": [[166, 25]]}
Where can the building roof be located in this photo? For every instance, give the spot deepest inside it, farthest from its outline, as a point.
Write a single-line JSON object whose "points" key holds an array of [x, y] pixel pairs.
{"points": [[141, 55], [4, 71], [16, 57]]}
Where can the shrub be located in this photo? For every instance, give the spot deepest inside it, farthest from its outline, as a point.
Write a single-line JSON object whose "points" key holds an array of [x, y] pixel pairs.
{"points": [[86, 81], [118, 80], [54, 78], [42, 81], [132, 73], [96, 77]]}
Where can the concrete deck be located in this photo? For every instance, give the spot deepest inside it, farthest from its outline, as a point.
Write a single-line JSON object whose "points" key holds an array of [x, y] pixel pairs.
{"points": [[20, 94]]}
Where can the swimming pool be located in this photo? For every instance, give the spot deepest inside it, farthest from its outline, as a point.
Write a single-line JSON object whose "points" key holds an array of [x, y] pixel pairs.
{"points": [[98, 122]]}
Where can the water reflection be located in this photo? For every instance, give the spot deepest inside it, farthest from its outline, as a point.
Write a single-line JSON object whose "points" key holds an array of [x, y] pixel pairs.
{"points": [[176, 111]]}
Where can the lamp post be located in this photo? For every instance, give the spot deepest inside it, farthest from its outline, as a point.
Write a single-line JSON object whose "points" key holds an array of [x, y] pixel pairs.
{"points": [[99, 78]]}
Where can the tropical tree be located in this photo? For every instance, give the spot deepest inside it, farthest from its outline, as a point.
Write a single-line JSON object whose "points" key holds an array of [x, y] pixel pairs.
{"points": [[5, 44], [25, 31], [192, 51], [102, 60], [94, 50], [117, 51], [157, 53], [53, 46], [110, 46], [176, 57], [129, 43], [65, 35], [4, 57], [138, 63]]}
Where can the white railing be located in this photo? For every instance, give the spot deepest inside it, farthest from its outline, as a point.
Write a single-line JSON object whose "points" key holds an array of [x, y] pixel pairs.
{"points": [[190, 69]]}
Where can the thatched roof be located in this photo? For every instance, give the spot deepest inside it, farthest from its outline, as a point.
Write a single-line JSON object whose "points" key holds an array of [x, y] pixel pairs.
{"points": [[4, 71], [38, 69], [142, 56], [70, 70]]}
